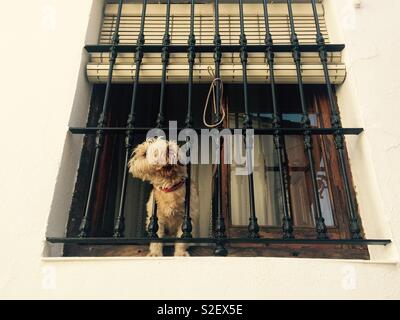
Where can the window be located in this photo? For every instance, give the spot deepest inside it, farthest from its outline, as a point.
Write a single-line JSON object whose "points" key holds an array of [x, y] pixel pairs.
{"points": [[299, 201]]}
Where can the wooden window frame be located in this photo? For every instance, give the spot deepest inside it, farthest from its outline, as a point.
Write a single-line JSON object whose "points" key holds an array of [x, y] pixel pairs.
{"points": [[318, 99]]}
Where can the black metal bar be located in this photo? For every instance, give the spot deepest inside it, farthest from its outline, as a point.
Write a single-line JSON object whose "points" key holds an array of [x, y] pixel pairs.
{"points": [[247, 123], [354, 225], [211, 48], [308, 143], [119, 225], [257, 131], [191, 60], [132, 241], [153, 227], [279, 139], [187, 221], [220, 229], [165, 61], [84, 227]]}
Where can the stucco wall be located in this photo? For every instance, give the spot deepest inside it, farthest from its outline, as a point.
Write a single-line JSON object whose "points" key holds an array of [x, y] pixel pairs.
{"points": [[39, 159]]}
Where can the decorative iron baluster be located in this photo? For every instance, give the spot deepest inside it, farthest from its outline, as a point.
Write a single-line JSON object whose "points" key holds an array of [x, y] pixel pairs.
{"points": [[247, 123], [220, 229], [187, 221], [119, 225], [336, 123], [279, 139], [84, 228], [308, 143], [152, 228], [165, 61]]}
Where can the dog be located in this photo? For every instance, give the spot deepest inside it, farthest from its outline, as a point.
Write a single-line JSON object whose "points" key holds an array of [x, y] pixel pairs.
{"points": [[157, 161]]}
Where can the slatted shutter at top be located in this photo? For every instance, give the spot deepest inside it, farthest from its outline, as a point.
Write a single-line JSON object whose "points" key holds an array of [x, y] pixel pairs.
{"points": [[124, 71]]}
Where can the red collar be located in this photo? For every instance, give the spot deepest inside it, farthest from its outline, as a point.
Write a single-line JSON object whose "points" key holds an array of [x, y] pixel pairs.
{"points": [[174, 187]]}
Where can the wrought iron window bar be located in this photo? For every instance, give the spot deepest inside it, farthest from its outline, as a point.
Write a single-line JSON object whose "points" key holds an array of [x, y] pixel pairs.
{"points": [[277, 131]]}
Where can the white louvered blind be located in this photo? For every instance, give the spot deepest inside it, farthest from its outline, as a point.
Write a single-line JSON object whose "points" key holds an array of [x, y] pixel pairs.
{"points": [[124, 71]]}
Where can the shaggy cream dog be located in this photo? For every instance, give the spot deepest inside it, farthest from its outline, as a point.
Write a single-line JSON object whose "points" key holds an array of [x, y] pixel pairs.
{"points": [[156, 161]]}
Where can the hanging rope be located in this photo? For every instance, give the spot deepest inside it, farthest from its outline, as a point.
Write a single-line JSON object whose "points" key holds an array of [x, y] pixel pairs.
{"points": [[213, 87]]}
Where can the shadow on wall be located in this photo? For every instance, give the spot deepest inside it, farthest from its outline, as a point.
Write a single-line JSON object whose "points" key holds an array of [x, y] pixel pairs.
{"points": [[66, 178]]}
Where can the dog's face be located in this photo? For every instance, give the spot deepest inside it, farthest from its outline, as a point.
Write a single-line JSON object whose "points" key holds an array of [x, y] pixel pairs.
{"points": [[157, 159]]}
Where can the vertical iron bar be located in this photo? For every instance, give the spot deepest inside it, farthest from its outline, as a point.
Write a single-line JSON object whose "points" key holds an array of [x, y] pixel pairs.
{"points": [[84, 227], [119, 225], [336, 123], [308, 143], [187, 221], [153, 223], [165, 61], [253, 224], [220, 229], [279, 139]]}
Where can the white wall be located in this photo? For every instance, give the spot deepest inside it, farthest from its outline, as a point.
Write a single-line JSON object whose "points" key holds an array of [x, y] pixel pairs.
{"points": [[40, 157], [369, 98]]}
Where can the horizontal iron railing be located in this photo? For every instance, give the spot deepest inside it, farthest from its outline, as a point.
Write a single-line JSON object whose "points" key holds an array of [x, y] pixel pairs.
{"points": [[203, 48], [277, 131], [133, 241], [261, 131]]}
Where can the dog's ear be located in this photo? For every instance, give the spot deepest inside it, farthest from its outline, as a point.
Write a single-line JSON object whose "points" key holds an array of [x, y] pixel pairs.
{"points": [[137, 164]]}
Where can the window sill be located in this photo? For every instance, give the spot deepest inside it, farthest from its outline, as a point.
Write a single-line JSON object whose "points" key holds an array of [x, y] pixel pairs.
{"points": [[215, 259], [237, 247], [348, 254]]}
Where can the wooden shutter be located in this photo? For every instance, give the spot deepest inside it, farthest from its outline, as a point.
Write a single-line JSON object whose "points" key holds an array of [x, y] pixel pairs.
{"points": [[231, 69]]}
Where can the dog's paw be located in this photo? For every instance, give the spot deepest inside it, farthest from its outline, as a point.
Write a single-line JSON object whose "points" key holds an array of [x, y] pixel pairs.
{"points": [[182, 254], [154, 254]]}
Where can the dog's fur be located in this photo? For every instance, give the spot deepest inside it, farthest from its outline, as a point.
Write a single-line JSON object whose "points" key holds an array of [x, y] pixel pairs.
{"points": [[163, 171]]}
